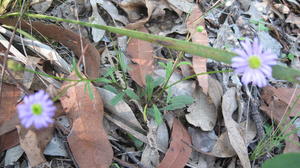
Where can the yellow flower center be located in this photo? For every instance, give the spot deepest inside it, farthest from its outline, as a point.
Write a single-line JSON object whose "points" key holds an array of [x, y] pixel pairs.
{"points": [[36, 109], [254, 62]]}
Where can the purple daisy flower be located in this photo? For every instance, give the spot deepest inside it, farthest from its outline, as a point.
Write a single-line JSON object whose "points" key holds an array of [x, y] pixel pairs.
{"points": [[253, 63], [37, 109]]}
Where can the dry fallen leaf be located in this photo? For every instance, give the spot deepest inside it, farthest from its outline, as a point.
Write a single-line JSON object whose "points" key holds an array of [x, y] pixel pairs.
{"points": [[112, 10], [87, 140], [141, 53], [229, 105], [95, 18], [41, 6], [8, 118], [179, 151], [215, 91], [183, 5], [33, 142], [277, 101], [203, 113], [133, 8], [283, 95], [223, 147], [67, 38], [199, 63], [121, 109]]}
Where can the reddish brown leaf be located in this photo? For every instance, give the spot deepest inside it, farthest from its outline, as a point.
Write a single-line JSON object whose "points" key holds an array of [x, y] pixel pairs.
{"points": [[33, 142], [141, 53], [8, 101], [9, 140], [285, 95], [179, 151], [87, 139], [199, 63], [277, 101], [66, 37]]}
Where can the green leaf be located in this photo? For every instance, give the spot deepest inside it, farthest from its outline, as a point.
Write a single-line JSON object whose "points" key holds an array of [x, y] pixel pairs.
{"points": [[157, 115], [175, 106], [162, 64], [131, 94], [111, 88], [103, 80], [149, 87], [117, 98], [122, 62], [169, 69], [91, 94], [291, 56], [290, 160], [179, 102], [137, 143], [75, 68], [182, 99], [183, 63], [158, 81], [169, 95]]}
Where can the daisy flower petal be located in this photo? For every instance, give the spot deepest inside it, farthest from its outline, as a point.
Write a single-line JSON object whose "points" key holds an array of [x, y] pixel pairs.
{"points": [[253, 63], [37, 110]]}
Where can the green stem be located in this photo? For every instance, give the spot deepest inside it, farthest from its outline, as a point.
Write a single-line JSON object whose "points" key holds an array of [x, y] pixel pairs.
{"points": [[192, 76], [279, 72]]}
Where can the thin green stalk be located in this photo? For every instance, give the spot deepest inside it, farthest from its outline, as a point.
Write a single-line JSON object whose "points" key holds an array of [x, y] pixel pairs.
{"points": [[195, 75], [279, 71]]}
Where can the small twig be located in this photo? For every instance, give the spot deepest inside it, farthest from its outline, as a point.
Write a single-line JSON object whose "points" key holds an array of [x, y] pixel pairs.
{"points": [[130, 155], [254, 112], [123, 163]]}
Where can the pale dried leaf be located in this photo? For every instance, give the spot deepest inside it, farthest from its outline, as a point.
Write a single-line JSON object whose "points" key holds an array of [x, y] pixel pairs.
{"points": [[292, 18], [96, 19], [229, 105], [150, 157], [13, 50], [12, 155], [203, 113], [215, 91], [121, 109], [41, 6], [113, 11], [33, 142], [186, 87], [223, 147], [183, 5]]}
